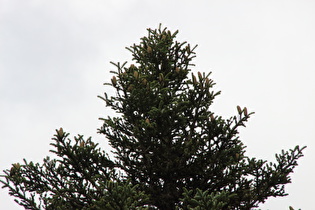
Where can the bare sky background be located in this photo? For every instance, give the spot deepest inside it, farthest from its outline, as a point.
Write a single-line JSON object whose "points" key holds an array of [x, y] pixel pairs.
{"points": [[54, 58]]}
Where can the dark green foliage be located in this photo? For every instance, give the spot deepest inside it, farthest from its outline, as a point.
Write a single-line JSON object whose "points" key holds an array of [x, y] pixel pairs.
{"points": [[172, 151], [82, 177], [204, 200], [167, 138]]}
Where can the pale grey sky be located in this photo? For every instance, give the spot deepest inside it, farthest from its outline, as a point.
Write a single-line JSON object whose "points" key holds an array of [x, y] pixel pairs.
{"points": [[54, 58]]}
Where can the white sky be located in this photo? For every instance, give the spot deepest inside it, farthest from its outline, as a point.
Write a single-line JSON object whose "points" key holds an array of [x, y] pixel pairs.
{"points": [[54, 58]]}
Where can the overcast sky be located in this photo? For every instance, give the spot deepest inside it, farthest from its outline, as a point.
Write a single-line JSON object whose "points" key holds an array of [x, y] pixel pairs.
{"points": [[54, 58]]}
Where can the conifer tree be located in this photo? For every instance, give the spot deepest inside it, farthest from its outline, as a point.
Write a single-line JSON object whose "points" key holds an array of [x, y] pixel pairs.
{"points": [[167, 139], [171, 150]]}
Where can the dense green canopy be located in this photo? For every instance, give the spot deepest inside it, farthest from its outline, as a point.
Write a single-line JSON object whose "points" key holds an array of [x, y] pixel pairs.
{"points": [[171, 150]]}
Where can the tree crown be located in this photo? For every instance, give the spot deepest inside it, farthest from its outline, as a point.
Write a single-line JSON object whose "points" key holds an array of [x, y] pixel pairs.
{"points": [[172, 150]]}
